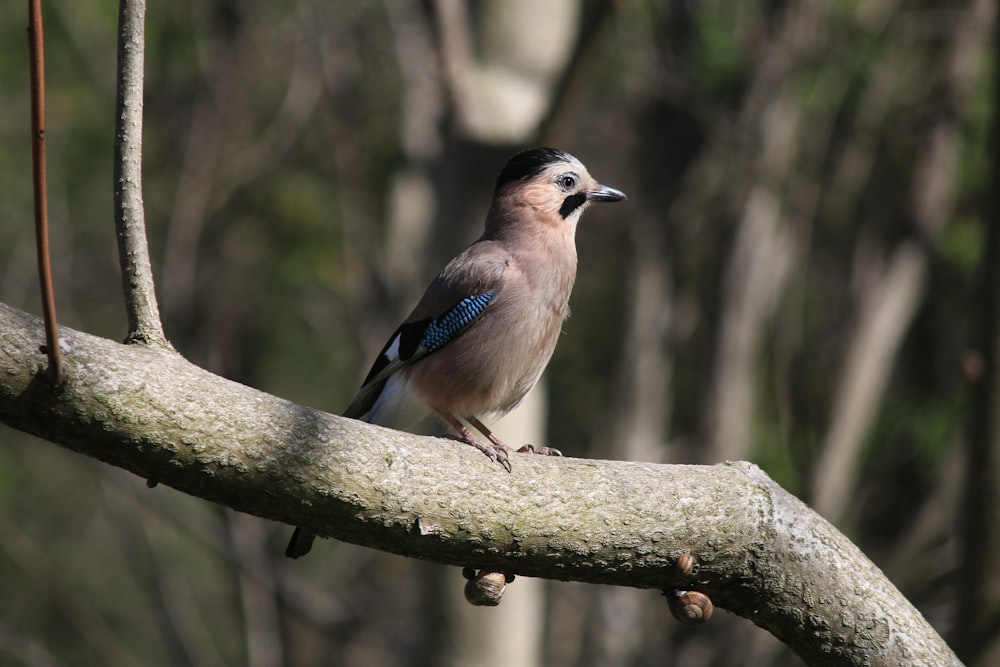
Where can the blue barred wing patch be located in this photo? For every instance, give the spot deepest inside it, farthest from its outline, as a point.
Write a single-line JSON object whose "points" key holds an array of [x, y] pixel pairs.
{"points": [[445, 327], [413, 341]]}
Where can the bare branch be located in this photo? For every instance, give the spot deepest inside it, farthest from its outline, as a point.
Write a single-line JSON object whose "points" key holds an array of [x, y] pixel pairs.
{"points": [[130, 221], [761, 553]]}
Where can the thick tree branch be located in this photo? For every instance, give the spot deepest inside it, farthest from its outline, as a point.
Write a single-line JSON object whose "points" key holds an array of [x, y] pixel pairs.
{"points": [[761, 553], [133, 252]]}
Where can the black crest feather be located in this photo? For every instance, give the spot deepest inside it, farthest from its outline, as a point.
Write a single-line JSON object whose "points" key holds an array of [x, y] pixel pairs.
{"points": [[527, 164]]}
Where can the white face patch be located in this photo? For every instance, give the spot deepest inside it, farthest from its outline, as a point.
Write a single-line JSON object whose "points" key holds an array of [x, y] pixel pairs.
{"points": [[574, 218]]}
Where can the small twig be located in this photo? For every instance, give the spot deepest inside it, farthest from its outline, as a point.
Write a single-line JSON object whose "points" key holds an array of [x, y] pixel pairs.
{"points": [[133, 251], [36, 48]]}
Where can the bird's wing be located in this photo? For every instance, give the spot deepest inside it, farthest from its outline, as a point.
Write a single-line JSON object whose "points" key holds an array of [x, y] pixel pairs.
{"points": [[452, 303]]}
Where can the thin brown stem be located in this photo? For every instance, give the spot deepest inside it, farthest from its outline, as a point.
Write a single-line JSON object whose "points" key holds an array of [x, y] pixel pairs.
{"points": [[36, 47]]}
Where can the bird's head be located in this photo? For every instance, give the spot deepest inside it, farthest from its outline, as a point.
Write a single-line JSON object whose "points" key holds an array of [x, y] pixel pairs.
{"points": [[552, 183]]}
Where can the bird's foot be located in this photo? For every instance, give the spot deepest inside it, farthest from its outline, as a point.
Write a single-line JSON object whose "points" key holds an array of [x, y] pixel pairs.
{"points": [[498, 453], [544, 451], [496, 449]]}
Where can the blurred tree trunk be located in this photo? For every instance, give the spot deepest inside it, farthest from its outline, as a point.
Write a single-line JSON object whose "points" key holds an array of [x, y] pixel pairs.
{"points": [[976, 617], [773, 122], [513, 632], [888, 298], [501, 74]]}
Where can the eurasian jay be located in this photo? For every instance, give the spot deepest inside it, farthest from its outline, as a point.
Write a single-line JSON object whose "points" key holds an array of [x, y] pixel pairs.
{"points": [[485, 329]]}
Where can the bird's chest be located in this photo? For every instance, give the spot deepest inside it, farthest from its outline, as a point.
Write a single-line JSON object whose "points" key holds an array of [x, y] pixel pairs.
{"points": [[527, 328], [539, 305]]}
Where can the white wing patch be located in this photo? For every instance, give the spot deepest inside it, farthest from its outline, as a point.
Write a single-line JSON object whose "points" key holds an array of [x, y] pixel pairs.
{"points": [[397, 406], [392, 352]]}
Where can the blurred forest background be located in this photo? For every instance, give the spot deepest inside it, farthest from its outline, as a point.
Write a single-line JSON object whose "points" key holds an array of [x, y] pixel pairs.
{"points": [[804, 275]]}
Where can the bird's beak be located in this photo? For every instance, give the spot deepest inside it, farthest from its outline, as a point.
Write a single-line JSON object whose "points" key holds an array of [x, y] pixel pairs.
{"points": [[605, 193]]}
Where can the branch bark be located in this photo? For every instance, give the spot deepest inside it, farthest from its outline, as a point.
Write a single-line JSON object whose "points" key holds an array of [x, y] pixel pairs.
{"points": [[133, 251], [761, 553]]}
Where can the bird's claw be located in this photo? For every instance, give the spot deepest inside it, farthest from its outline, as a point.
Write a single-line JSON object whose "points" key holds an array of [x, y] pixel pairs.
{"points": [[500, 456], [496, 453], [544, 451]]}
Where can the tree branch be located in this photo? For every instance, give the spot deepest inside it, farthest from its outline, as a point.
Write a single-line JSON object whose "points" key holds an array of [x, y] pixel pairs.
{"points": [[761, 553], [130, 221]]}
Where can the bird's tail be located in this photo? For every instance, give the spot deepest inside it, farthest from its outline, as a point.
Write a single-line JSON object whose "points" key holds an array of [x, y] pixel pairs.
{"points": [[301, 542]]}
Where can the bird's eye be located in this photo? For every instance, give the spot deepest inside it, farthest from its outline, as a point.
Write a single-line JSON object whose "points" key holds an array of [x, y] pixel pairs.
{"points": [[567, 181]]}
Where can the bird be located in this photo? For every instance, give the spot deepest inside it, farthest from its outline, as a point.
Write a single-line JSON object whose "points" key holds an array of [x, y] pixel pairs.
{"points": [[486, 327]]}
